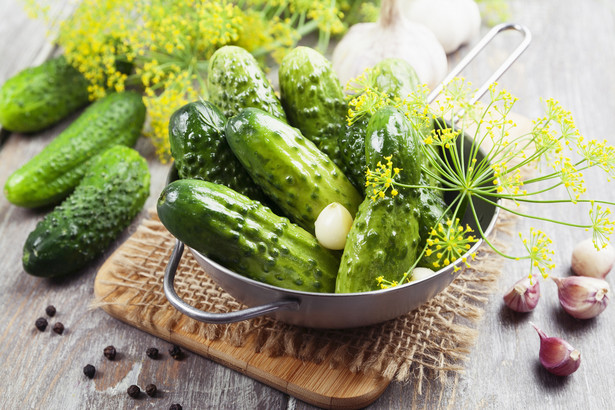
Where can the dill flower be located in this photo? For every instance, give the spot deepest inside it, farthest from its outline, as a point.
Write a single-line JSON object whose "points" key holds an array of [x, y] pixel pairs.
{"points": [[489, 167], [162, 46]]}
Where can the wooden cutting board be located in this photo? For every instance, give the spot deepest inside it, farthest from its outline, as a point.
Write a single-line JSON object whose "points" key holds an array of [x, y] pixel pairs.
{"points": [[314, 383]]}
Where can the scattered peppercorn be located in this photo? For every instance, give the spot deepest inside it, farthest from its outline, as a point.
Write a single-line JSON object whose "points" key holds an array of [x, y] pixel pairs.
{"points": [[151, 390], [152, 353], [175, 406], [109, 352], [58, 327], [50, 310], [176, 352], [89, 371], [41, 323], [134, 391]]}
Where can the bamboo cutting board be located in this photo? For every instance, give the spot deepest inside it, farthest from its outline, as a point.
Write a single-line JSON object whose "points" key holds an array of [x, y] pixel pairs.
{"points": [[317, 384]]}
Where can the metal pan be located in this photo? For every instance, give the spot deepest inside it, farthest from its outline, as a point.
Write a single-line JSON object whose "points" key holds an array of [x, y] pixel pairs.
{"points": [[337, 311]]}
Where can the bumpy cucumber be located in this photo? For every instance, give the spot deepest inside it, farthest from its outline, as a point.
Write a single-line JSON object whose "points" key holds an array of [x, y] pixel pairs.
{"points": [[51, 175], [313, 99], [40, 96], [110, 195], [200, 150], [384, 239], [397, 79], [235, 81], [295, 174], [245, 236]]}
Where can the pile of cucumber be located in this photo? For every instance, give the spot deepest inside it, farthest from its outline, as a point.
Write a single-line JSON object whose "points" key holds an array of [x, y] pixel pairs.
{"points": [[89, 171], [256, 171]]}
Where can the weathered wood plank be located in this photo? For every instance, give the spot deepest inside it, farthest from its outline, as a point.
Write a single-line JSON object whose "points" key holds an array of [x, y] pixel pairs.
{"points": [[571, 59]]}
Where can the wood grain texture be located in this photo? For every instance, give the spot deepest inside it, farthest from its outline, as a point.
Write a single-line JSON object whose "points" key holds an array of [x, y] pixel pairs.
{"points": [[571, 58]]}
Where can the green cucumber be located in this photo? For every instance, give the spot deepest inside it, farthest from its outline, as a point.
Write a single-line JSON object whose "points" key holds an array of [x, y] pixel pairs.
{"points": [[200, 150], [313, 99], [51, 175], [245, 236], [384, 239], [397, 79], [80, 229], [235, 81], [40, 96], [296, 175]]}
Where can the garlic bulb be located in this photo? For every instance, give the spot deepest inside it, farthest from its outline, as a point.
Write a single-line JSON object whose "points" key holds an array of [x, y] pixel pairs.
{"points": [[589, 261], [557, 355], [365, 44], [454, 22], [581, 296], [332, 226], [421, 273], [523, 296]]}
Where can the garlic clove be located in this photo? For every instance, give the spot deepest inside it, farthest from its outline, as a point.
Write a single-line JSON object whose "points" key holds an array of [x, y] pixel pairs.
{"points": [[589, 261], [582, 297], [557, 355], [523, 296], [332, 226], [421, 273]]}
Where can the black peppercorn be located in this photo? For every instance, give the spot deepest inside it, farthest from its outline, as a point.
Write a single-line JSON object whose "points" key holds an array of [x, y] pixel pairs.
{"points": [[151, 390], [134, 391], [41, 323], [109, 352], [175, 406], [89, 371], [50, 310], [175, 352], [58, 327], [152, 353]]}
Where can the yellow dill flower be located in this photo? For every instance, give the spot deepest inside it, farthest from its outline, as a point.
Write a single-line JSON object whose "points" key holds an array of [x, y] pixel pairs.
{"points": [[539, 254], [601, 225], [382, 179], [449, 242]]}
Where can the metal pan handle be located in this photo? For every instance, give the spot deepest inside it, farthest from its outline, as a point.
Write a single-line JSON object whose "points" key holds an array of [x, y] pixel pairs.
{"points": [[527, 38], [208, 317]]}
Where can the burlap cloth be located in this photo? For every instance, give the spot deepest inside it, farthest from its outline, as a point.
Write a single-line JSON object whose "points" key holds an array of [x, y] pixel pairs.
{"points": [[428, 343]]}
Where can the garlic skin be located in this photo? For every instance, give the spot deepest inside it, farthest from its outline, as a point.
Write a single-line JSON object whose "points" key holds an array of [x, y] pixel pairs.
{"points": [[556, 355], [523, 296], [332, 226], [588, 261], [420, 273], [454, 22], [365, 44], [582, 297]]}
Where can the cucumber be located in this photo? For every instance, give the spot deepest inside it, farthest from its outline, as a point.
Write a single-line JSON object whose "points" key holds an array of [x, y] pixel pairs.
{"points": [[296, 175], [200, 150], [109, 196], [51, 175], [384, 239], [235, 81], [246, 236], [313, 99], [40, 96], [397, 79]]}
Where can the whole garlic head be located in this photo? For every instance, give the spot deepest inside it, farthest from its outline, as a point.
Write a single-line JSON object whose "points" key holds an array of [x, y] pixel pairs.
{"points": [[454, 22], [365, 44]]}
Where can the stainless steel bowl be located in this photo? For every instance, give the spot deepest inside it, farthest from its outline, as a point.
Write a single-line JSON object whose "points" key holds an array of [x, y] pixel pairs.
{"points": [[320, 310], [348, 310]]}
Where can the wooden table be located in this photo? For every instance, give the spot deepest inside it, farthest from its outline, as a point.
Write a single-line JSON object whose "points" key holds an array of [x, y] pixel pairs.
{"points": [[571, 59]]}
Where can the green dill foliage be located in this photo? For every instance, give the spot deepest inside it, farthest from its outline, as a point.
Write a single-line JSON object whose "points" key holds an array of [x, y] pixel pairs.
{"points": [[491, 168], [162, 46]]}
